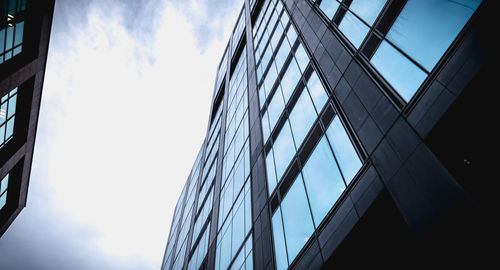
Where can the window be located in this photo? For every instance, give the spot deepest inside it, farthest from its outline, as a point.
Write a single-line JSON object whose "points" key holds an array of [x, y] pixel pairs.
{"points": [[4, 184], [11, 34], [423, 31], [7, 116], [321, 182], [359, 18]]}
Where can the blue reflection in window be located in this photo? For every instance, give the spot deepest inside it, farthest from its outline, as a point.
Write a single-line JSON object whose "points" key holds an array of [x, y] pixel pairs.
{"points": [[329, 7], [282, 54], [275, 108], [284, 150], [345, 153], [354, 29], [404, 76], [323, 181], [425, 28], [279, 241], [301, 57], [302, 117], [317, 91], [297, 221], [368, 10], [271, 173], [290, 80]]}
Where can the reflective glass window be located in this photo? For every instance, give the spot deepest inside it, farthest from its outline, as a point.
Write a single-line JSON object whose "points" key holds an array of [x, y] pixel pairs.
{"points": [[7, 116], [284, 150], [404, 76], [329, 7], [345, 153], [279, 241], [302, 117], [323, 181], [368, 10], [4, 184], [290, 80], [317, 91], [426, 28], [297, 221], [353, 28]]}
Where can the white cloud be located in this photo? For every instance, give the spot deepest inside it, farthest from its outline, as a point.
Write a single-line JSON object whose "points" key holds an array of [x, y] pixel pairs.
{"points": [[123, 131]]}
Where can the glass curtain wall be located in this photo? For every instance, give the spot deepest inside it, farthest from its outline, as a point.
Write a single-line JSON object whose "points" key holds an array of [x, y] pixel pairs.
{"points": [[407, 51]]}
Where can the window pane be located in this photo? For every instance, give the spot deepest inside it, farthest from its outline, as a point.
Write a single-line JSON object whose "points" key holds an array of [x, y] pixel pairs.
{"points": [[284, 150], [404, 76], [276, 107], [279, 242], [297, 220], [345, 153], [282, 54], [271, 174], [329, 7], [19, 33], [10, 128], [290, 80], [265, 127], [3, 200], [368, 10], [354, 29], [323, 180], [425, 28], [301, 57], [9, 38], [302, 117], [318, 93]]}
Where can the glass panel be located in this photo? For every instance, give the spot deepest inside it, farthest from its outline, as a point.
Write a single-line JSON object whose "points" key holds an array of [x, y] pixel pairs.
{"points": [[368, 10], [345, 153], [279, 241], [282, 54], [10, 128], [318, 93], [19, 33], [323, 180], [302, 57], [329, 7], [302, 117], [284, 150], [425, 28], [276, 107], [404, 76], [354, 29], [3, 112], [297, 221], [3, 200], [265, 127], [2, 41], [9, 38], [271, 173], [290, 80], [4, 184]]}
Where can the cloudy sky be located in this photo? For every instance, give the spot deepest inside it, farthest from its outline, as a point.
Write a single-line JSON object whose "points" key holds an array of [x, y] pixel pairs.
{"points": [[124, 112]]}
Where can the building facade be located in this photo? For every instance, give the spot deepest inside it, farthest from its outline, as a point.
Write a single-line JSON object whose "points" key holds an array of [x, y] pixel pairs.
{"points": [[24, 38], [343, 134]]}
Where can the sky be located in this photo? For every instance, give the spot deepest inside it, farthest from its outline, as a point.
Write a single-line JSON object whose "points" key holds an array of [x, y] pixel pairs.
{"points": [[124, 112]]}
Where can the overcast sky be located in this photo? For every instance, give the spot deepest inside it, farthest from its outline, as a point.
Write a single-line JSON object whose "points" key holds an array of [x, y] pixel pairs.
{"points": [[124, 112]]}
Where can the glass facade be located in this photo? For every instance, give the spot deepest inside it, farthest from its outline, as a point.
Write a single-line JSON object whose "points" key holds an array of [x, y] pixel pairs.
{"points": [[283, 153], [12, 29], [420, 35]]}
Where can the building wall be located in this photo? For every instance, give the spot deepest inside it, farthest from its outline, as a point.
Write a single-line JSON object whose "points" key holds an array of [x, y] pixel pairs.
{"points": [[415, 198], [26, 72]]}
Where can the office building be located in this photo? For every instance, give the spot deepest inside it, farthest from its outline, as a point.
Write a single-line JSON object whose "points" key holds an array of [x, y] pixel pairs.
{"points": [[343, 134], [24, 38]]}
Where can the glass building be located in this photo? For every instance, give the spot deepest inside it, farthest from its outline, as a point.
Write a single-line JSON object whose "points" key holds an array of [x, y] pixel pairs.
{"points": [[24, 38], [341, 135]]}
